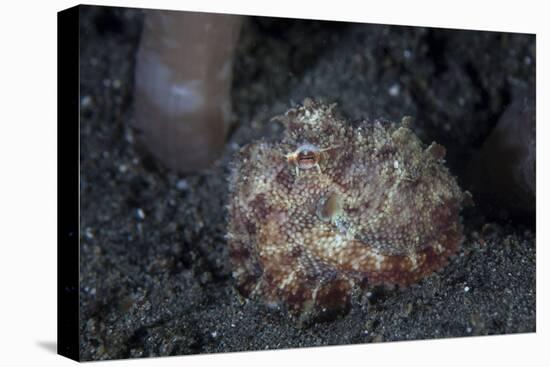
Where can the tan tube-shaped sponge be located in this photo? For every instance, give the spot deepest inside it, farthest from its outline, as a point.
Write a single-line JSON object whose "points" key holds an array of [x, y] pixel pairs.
{"points": [[182, 86]]}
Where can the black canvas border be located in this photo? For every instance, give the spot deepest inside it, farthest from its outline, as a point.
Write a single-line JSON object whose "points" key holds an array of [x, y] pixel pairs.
{"points": [[68, 233]]}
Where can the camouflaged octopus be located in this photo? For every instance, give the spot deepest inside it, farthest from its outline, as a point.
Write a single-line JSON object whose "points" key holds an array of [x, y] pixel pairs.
{"points": [[333, 208]]}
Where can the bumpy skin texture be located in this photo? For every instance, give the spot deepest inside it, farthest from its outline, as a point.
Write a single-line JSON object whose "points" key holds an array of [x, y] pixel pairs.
{"points": [[332, 208]]}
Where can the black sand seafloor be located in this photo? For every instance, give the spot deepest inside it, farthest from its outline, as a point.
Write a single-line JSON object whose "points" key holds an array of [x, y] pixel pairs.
{"points": [[154, 268]]}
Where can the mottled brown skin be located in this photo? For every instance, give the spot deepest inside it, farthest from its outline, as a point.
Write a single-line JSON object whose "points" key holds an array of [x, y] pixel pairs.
{"points": [[334, 207]]}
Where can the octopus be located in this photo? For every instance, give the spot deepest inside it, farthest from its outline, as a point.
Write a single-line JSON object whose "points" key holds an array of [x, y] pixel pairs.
{"points": [[333, 208]]}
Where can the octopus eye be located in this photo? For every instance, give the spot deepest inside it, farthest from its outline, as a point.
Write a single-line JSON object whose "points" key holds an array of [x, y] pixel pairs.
{"points": [[306, 159]]}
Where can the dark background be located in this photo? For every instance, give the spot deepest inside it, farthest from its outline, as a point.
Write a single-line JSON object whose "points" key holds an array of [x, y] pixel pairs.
{"points": [[155, 275]]}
